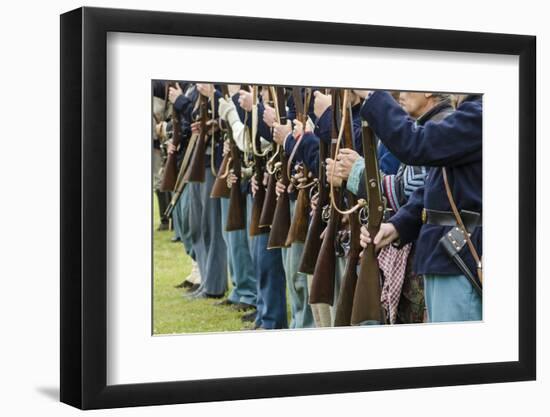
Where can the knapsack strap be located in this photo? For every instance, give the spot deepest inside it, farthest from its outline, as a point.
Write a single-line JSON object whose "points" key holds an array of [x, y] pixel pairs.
{"points": [[461, 225]]}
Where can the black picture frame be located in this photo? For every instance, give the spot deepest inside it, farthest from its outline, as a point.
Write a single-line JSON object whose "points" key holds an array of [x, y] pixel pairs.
{"points": [[84, 207]]}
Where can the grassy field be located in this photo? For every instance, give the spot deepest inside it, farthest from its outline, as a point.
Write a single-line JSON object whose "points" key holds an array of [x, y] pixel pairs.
{"points": [[172, 313]]}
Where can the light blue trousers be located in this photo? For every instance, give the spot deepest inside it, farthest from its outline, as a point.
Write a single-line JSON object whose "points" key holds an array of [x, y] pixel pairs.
{"points": [[206, 236], [270, 282], [241, 267], [176, 218], [301, 314], [451, 298], [182, 227], [271, 301]]}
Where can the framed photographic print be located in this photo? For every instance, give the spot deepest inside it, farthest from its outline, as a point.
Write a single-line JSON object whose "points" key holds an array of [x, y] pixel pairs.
{"points": [[257, 208]]}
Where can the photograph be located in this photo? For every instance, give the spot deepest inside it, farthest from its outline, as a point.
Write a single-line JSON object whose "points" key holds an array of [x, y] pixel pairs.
{"points": [[275, 205], [303, 207]]}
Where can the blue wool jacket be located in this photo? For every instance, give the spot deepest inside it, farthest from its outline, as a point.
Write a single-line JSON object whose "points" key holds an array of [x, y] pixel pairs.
{"points": [[454, 143]]}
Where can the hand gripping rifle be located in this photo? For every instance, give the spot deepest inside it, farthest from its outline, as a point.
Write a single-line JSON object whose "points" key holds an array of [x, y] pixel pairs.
{"points": [[299, 225], [366, 300], [195, 171], [236, 214], [344, 303], [322, 285], [259, 166], [281, 216], [220, 189], [170, 172]]}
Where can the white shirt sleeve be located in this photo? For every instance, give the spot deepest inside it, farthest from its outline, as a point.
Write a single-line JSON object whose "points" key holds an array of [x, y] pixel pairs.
{"points": [[228, 112]]}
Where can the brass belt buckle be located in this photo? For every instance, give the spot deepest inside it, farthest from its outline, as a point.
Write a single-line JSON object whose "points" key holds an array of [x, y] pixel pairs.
{"points": [[424, 215]]}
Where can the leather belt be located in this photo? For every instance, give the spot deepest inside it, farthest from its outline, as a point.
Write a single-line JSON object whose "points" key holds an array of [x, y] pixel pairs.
{"points": [[471, 219]]}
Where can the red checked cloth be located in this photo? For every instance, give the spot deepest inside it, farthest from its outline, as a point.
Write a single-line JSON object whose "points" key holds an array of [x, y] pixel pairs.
{"points": [[393, 263]]}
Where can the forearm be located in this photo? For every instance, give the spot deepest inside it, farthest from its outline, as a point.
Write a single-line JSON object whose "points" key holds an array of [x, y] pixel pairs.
{"points": [[455, 140], [307, 150], [408, 219], [263, 129], [323, 126]]}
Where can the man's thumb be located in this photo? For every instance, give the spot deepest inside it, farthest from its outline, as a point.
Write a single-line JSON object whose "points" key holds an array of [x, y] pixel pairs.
{"points": [[379, 236]]}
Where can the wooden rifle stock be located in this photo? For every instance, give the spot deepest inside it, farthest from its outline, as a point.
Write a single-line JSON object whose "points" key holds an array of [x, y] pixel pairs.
{"points": [[324, 274], [270, 201], [257, 205], [178, 191], [344, 304], [220, 188], [299, 225], [366, 300], [196, 170], [322, 285], [281, 216], [312, 245], [260, 195], [236, 214], [170, 171], [180, 183]]}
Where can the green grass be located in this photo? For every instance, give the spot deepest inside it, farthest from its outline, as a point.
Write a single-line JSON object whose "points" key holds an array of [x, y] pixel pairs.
{"points": [[172, 313]]}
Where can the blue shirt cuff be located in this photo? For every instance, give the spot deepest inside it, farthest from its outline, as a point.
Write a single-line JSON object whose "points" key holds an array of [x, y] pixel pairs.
{"points": [[357, 170], [290, 142], [180, 102]]}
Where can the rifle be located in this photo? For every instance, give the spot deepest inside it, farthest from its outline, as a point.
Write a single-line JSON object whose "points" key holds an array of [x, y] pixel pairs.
{"points": [[366, 300], [312, 245], [299, 225], [281, 216], [270, 201], [195, 171], [322, 285], [236, 214], [344, 303], [220, 189], [259, 165], [170, 167], [180, 183]]}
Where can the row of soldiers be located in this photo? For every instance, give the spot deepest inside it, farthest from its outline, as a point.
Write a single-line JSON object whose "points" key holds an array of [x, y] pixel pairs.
{"points": [[352, 206]]}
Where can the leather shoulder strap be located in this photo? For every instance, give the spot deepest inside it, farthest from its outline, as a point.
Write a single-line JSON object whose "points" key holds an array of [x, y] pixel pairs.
{"points": [[461, 224]]}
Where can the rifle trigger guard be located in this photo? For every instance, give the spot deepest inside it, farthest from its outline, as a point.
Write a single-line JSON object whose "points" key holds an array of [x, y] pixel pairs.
{"points": [[364, 215], [314, 190], [345, 241], [227, 168], [325, 214]]}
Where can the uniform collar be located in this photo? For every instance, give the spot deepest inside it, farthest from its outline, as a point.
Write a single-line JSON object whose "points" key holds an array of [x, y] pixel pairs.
{"points": [[445, 105]]}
